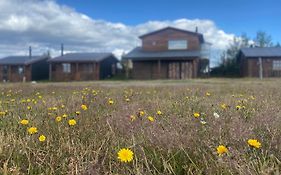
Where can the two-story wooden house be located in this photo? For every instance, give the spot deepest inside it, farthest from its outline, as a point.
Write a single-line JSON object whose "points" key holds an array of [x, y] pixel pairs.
{"points": [[169, 53]]}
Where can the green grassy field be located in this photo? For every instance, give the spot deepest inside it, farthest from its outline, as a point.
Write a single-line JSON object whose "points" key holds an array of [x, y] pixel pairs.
{"points": [[171, 127]]}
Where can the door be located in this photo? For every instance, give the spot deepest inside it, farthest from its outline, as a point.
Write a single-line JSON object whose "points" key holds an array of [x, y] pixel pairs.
{"points": [[174, 70], [180, 70], [186, 70]]}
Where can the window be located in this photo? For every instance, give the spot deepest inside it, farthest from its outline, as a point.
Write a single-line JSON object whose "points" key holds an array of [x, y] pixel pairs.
{"points": [[66, 67], [20, 70], [88, 68], [177, 44], [5, 69], [276, 65]]}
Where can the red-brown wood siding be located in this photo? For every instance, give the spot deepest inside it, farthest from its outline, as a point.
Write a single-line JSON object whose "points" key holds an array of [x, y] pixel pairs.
{"points": [[172, 69], [250, 67], [78, 72], [159, 41]]}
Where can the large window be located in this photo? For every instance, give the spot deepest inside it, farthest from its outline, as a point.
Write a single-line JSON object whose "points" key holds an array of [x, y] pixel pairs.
{"points": [[177, 44], [66, 67], [276, 65]]}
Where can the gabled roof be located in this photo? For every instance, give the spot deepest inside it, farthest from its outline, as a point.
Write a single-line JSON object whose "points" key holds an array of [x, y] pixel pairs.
{"points": [[21, 60], [81, 57], [138, 54], [201, 38], [262, 52]]}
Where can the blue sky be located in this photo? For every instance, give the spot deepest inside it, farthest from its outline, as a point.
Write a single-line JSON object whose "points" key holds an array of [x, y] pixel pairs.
{"points": [[232, 16]]}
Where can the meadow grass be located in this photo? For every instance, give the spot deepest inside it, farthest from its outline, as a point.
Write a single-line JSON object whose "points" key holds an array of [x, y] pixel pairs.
{"points": [[196, 116]]}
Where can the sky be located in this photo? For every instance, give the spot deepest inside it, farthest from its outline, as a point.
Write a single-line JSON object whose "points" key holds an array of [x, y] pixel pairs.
{"points": [[114, 26]]}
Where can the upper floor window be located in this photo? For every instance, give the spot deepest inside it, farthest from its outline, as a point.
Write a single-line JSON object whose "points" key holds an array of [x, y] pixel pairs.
{"points": [[276, 65], [66, 67], [177, 44]]}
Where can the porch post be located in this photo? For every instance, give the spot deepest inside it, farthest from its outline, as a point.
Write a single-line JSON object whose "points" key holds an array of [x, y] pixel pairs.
{"points": [[50, 72], [9, 73], [77, 76], [260, 68], [195, 66], [159, 69]]}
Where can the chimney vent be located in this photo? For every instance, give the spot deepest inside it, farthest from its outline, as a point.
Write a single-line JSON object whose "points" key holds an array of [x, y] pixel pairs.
{"points": [[196, 29], [62, 49], [30, 52]]}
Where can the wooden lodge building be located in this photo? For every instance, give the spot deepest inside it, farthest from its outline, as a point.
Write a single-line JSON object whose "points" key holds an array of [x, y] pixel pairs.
{"points": [[260, 62], [169, 53], [82, 66], [24, 68]]}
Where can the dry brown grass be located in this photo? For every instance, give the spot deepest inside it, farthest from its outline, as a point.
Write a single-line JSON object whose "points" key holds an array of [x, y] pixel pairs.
{"points": [[175, 143]]}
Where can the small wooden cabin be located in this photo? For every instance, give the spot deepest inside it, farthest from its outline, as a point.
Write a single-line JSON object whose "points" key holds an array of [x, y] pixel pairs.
{"points": [[267, 60], [169, 53], [24, 68], [82, 66]]}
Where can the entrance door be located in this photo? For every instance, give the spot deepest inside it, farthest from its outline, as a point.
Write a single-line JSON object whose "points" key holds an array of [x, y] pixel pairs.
{"points": [[180, 70], [174, 70], [186, 70]]}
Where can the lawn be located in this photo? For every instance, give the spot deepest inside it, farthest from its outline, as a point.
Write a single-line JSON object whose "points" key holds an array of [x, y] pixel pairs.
{"points": [[207, 126]]}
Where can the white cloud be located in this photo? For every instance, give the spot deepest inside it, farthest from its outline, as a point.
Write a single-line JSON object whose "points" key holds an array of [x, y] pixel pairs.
{"points": [[44, 24]]}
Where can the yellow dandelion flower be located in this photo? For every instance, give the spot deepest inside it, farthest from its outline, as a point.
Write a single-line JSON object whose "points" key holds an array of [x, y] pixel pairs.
{"points": [[110, 102], [150, 118], [29, 107], [208, 94], [64, 115], [127, 100], [141, 113], [84, 107], [221, 149], [238, 107], [254, 143], [42, 138], [125, 155], [32, 130], [196, 114], [71, 122], [58, 118], [132, 117], [159, 112], [24, 122], [223, 106], [40, 97], [28, 100], [62, 106], [77, 112], [2, 113]]}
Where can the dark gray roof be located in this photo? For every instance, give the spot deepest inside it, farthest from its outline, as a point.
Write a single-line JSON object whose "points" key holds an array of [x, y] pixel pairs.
{"points": [[262, 52], [199, 35], [139, 54], [21, 60], [81, 57]]}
